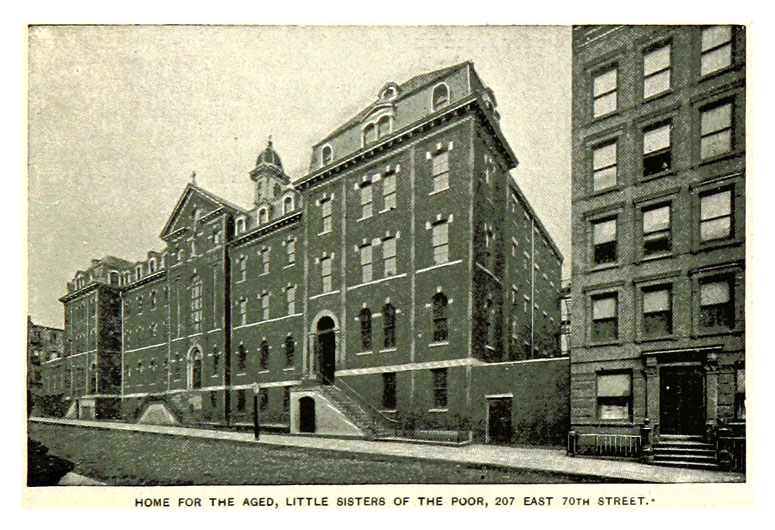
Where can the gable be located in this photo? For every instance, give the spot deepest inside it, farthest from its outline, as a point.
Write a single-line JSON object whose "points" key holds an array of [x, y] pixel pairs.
{"points": [[193, 204]]}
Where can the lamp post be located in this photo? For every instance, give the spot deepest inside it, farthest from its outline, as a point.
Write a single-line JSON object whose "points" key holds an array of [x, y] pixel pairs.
{"points": [[255, 410]]}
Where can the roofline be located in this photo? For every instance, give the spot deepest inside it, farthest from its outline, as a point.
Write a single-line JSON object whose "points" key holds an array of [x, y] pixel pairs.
{"points": [[473, 102], [191, 186], [263, 230], [513, 184], [366, 110]]}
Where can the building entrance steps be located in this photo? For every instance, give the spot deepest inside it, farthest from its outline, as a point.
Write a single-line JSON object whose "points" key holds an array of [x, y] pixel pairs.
{"points": [[526, 458]]}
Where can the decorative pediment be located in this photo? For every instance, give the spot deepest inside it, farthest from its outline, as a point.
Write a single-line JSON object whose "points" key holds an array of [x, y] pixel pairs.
{"points": [[194, 205]]}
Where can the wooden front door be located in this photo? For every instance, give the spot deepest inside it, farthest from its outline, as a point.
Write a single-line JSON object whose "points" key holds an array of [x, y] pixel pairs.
{"points": [[681, 400], [499, 420]]}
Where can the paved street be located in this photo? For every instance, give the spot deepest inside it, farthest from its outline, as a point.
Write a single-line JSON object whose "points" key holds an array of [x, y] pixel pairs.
{"points": [[514, 458]]}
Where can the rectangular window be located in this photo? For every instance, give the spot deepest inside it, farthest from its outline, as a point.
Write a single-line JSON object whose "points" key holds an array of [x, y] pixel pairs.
{"points": [[716, 216], [614, 396], [604, 166], [389, 256], [290, 294], [657, 312], [325, 273], [265, 261], [389, 191], [716, 304], [366, 269], [366, 200], [441, 242], [265, 307], [657, 154], [243, 268], [716, 49], [196, 306], [657, 234], [241, 400], [656, 71], [325, 214], [715, 130], [263, 399], [389, 391], [604, 241], [441, 171], [286, 399], [604, 93], [740, 393], [243, 312], [605, 321], [290, 249], [439, 388]]}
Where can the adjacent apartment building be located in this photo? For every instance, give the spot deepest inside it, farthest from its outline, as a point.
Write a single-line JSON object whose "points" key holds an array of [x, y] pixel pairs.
{"points": [[658, 201], [404, 284]]}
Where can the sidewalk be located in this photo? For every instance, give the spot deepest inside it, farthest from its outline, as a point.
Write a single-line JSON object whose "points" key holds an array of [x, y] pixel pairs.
{"points": [[527, 458]]}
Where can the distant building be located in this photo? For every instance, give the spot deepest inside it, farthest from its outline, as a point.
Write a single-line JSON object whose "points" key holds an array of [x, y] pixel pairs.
{"points": [[44, 345], [658, 200], [403, 285]]}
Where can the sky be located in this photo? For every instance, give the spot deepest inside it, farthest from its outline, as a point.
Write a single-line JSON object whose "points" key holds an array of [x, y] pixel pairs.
{"points": [[120, 116]]}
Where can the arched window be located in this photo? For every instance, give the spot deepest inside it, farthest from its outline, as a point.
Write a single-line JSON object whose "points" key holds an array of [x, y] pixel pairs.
{"points": [[365, 318], [369, 134], [216, 359], [196, 304], [440, 96], [240, 228], [440, 328], [327, 155], [287, 205], [113, 279], [264, 358], [195, 368], [263, 216], [290, 349], [152, 265], [384, 126], [242, 357], [389, 319]]}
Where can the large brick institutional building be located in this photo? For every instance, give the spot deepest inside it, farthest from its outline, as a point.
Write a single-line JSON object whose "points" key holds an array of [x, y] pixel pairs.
{"points": [[658, 312], [403, 284]]}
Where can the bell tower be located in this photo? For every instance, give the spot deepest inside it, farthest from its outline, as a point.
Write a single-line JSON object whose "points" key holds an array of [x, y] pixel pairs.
{"points": [[269, 176]]}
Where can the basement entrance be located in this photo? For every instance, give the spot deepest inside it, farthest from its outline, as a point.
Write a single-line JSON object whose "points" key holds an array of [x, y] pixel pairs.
{"points": [[326, 350], [499, 420], [307, 414], [681, 400]]}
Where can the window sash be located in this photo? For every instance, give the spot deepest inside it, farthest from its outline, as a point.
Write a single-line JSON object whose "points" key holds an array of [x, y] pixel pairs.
{"points": [[715, 293], [656, 139], [656, 219], [440, 163], [604, 231], [614, 385], [716, 119], [715, 36], [604, 83], [656, 301], [656, 60], [604, 308], [716, 59]]}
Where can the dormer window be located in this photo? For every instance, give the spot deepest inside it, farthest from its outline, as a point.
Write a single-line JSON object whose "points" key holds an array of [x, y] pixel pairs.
{"points": [[440, 96], [152, 265], [369, 134], [263, 216], [138, 272], [240, 225], [389, 93], [113, 278], [287, 205], [384, 126], [327, 155]]}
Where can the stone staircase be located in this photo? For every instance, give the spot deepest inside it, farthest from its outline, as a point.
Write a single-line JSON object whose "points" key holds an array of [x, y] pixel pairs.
{"points": [[680, 450], [370, 421]]}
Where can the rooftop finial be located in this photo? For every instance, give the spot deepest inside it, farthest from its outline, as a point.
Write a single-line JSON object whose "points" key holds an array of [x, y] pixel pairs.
{"points": [[269, 143], [193, 178]]}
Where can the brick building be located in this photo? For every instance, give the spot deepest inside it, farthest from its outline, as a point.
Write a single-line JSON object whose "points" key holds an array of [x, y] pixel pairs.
{"points": [[658, 203], [44, 345], [403, 285]]}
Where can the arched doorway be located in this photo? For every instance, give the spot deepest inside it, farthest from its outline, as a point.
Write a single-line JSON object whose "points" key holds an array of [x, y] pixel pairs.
{"points": [[307, 414], [326, 350]]}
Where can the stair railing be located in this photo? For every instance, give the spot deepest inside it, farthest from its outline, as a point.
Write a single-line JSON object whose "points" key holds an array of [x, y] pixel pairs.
{"points": [[392, 423]]}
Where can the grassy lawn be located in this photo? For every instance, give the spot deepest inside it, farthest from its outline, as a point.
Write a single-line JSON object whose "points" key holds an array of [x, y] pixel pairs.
{"points": [[133, 459]]}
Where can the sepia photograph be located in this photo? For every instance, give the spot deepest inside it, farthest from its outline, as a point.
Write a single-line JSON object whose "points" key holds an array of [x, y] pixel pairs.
{"points": [[378, 255]]}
